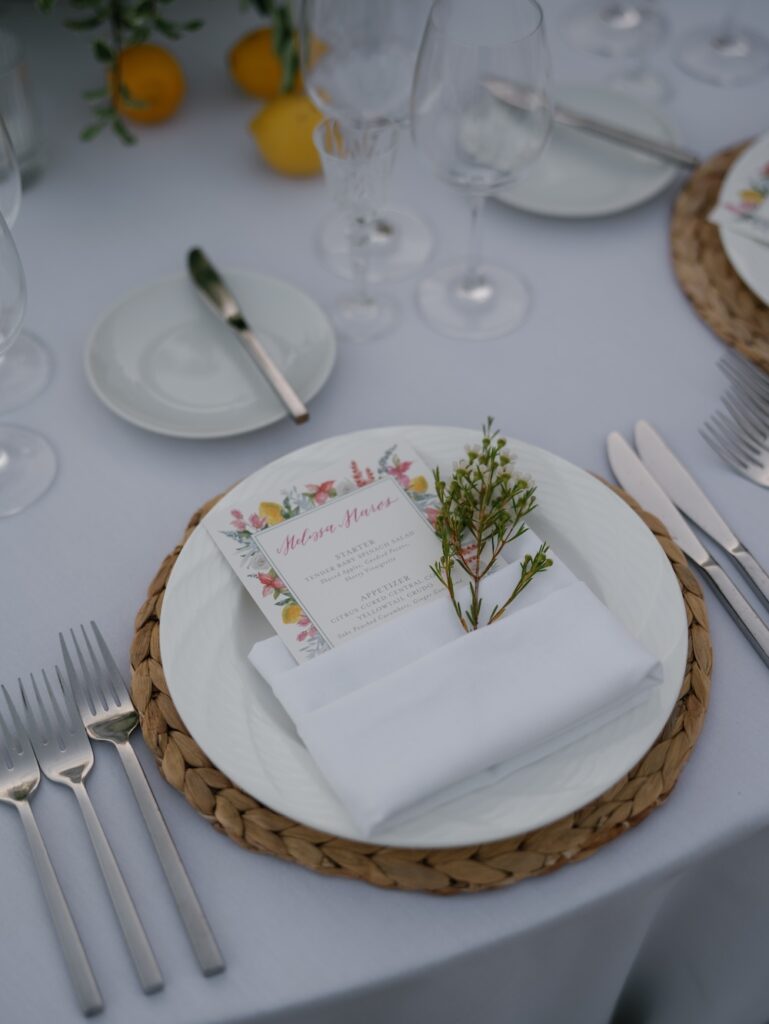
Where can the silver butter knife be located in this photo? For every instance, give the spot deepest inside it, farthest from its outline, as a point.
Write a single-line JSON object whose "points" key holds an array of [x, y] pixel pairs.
{"points": [[520, 97], [684, 491], [638, 481], [221, 301]]}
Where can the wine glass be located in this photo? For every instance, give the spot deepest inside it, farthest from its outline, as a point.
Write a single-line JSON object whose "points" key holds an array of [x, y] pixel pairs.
{"points": [[25, 369], [27, 461], [358, 59], [628, 29], [727, 53], [479, 145], [357, 160]]}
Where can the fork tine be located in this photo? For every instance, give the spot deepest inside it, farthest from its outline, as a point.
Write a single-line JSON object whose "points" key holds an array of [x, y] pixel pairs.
{"points": [[89, 681], [22, 740], [7, 748], [117, 683], [78, 686], [40, 729], [744, 418], [98, 670], [714, 439], [739, 441], [75, 721], [758, 405], [737, 368]]}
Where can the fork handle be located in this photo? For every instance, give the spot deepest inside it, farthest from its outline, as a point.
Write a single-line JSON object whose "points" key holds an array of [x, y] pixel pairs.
{"points": [[753, 571], [87, 991], [197, 927], [146, 965]]}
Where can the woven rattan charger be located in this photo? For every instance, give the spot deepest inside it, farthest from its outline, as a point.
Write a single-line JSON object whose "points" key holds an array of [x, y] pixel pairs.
{"points": [[464, 869], [704, 272]]}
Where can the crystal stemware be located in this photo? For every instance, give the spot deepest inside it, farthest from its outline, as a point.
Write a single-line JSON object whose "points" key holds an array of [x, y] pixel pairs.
{"points": [[358, 59], [727, 53], [27, 461], [478, 145], [357, 160], [25, 369]]}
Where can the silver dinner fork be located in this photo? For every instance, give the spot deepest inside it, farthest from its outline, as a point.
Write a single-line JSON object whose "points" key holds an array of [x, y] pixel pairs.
{"points": [[740, 436], [19, 778], [108, 714], [65, 755], [738, 447]]}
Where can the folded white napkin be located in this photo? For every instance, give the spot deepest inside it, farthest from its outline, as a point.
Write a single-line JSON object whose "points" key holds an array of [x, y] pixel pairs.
{"points": [[415, 711]]}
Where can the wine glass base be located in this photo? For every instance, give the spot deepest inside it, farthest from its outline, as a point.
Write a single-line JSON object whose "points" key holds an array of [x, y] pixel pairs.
{"points": [[495, 305], [27, 468], [400, 245], [724, 60], [644, 85], [25, 370], [614, 28], [364, 321]]}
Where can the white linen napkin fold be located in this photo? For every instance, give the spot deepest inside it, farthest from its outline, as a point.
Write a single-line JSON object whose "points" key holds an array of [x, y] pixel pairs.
{"points": [[415, 711]]}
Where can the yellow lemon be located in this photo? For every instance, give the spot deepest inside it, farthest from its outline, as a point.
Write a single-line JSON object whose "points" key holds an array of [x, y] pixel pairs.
{"points": [[255, 65], [418, 484], [154, 79], [271, 512], [291, 613], [283, 132]]}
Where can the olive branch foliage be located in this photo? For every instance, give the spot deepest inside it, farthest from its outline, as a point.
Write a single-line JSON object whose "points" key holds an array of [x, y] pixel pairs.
{"points": [[117, 24], [483, 507]]}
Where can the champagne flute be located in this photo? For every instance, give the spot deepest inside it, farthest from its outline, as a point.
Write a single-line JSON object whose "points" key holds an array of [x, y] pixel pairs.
{"points": [[478, 145], [27, 461], [25, 369], [358, 59]]}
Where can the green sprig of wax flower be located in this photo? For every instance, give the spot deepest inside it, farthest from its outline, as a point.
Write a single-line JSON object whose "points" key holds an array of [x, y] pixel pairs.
{"points": [[483, 507]]}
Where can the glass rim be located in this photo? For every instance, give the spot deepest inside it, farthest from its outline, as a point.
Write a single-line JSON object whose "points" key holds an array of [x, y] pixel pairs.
{"points": [[540, 16]]}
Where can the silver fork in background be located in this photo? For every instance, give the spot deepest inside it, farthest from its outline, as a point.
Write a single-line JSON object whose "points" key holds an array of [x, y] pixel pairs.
{"points": [[65, 756], [108, 714], [19, 778], [737, 446]]}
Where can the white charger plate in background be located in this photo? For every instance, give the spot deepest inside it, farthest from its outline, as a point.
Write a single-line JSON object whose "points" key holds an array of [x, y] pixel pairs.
{"points": [[209, 624], [161, 360], [580, 175], [749, 258]]}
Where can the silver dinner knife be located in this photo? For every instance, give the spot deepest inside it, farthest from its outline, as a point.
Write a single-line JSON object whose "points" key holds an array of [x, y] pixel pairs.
{"points": [[221, 301], [638, 481], [684, 491], [520, 97]]}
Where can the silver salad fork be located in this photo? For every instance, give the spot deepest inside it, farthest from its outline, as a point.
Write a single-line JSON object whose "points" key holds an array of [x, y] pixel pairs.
{"points": [[108, 714]]}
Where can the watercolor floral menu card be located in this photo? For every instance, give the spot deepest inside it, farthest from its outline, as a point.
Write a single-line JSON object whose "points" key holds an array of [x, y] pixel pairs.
{"points": [[328, 558]]}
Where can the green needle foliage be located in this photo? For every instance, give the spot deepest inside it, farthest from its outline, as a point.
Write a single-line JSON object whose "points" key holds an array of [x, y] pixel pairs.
{"points": [[483, 508], [118, 24]]}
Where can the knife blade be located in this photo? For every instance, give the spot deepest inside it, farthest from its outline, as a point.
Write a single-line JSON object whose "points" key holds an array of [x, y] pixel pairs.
{"points": [[223, 303], [636, 479], [684, 491], [520, 97]]}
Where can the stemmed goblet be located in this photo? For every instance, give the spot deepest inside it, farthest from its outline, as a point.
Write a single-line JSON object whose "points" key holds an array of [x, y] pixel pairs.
{"points": [[358, 59], [357, 160], [25, 369], [478, 145], [27, 461]]}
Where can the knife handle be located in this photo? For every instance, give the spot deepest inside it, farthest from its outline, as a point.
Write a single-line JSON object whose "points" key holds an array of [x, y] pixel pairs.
{"points": [[275, 378], [613, 133], [757, 576], [742, 613]]}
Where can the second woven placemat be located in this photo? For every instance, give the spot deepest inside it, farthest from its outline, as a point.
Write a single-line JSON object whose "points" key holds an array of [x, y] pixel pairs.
{"points": [[710, 283], [465, 869]]}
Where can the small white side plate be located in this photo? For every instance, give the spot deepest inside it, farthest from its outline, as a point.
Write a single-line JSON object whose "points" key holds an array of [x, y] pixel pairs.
{"points": [[580, 175], [748, 257], [162, 361], [209, 624]]}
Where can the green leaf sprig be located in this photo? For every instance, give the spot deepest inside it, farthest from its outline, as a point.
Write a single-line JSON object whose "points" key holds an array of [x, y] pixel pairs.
{"points": [[482, 509]]}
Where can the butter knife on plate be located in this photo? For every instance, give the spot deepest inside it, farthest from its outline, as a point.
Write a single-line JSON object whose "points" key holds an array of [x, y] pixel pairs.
{"points": [[684, 491], [520, 97], [223, 303], [636, 479]]}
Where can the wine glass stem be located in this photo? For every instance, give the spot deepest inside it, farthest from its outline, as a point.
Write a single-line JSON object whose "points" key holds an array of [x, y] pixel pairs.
{"points": [[475, 245], [360, 251]]}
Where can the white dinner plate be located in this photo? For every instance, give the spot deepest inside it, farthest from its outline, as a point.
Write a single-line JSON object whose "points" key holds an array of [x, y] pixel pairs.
{"points": [[163, 361], [579, 175], [209, 624], [748, 257]]}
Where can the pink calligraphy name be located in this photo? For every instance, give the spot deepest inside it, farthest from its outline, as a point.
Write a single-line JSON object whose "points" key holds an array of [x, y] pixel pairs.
{"points": [[352, 517]]}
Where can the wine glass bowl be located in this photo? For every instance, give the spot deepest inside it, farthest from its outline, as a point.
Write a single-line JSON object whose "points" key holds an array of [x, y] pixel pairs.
{"points": [[478, 144]]}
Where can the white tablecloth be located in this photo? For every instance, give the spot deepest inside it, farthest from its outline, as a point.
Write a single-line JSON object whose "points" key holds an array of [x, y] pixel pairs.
{"points": [[668, 925]]}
